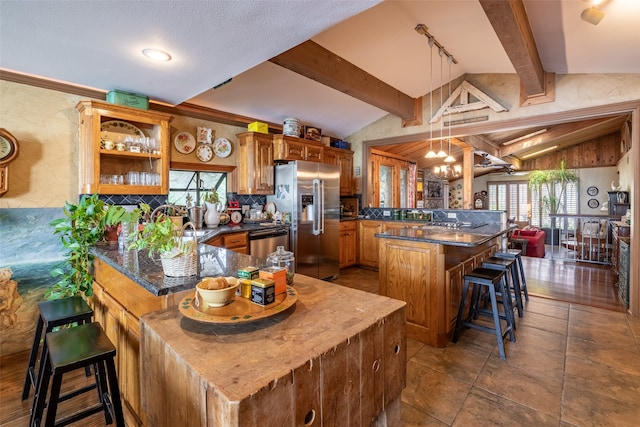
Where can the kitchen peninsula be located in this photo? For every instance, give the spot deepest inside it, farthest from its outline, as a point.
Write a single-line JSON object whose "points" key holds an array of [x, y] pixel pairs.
{"points": [[424, 266], [338, 355]]}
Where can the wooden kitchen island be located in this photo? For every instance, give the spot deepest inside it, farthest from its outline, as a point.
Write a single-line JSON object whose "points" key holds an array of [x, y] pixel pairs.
{"points": [[424, 266], [336, 357]]}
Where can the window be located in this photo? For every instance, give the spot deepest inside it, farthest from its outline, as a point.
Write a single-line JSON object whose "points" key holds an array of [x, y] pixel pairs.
{"points": [[188, 187], [524, 204], [512, 197], [567, 204]]}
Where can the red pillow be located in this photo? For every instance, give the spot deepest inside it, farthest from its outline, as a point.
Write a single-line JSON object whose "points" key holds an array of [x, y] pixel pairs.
{"points": [[528, 232]]}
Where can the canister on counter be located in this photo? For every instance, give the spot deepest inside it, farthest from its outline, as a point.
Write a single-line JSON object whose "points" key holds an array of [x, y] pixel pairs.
{"points": [[245, 288], [278, 275], [263, 291], [248, 273]]}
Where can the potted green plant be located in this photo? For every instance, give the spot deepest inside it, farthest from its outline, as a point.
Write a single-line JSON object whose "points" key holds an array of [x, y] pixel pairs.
{"points": [[81, 228], [552, 184], [159, 236]]}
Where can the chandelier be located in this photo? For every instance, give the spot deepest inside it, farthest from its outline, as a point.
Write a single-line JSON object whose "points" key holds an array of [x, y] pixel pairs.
{"points": [[448, 171]]}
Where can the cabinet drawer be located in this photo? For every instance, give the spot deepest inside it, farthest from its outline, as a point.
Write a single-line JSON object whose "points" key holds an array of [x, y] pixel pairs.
{"points": [[235, 240]]}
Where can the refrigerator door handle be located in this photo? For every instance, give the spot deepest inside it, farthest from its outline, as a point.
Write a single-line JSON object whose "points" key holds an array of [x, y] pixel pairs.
{"points": [[321, 210], [317, 201]]}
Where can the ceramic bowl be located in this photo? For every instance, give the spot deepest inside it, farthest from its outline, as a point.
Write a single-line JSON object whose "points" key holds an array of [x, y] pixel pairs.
{"points": [[217, 297]]}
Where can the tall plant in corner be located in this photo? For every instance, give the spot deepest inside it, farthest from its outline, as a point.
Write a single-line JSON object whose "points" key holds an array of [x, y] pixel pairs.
{"points": [[554, 183], [81, 228]]}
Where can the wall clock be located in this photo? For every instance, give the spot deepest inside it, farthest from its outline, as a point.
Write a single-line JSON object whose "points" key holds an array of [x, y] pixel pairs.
{"points": [[204, 152], [9, 149], [592, 191]]}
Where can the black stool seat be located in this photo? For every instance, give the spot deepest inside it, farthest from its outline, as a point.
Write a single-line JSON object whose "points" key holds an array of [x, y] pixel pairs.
{"points": [[494, 281], [517, 255], [71, 349], [509, 266], [54, 313]]}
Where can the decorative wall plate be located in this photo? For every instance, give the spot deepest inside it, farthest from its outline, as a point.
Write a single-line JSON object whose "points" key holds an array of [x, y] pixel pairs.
{"points": [[184, 142], [592, 191], [593, 203], [222, 147], [204, 152]]}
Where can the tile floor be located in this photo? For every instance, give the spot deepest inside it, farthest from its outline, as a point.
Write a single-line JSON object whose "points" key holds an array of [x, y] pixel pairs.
{"points": [[571, 365]]}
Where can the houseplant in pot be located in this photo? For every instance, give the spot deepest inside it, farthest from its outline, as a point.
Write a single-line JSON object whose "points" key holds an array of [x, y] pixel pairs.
{"points": [[81, 228], [552, 185], [177, 254]]}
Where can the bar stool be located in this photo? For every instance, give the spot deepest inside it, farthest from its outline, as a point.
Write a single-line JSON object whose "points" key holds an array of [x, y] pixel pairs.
{"points": [[517, 255], [511, 275], [54, 313], [75, 348], [492, 280]]}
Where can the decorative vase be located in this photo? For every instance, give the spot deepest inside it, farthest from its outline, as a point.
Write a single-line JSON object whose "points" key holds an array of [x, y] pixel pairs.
{"points": [[211, 215]]}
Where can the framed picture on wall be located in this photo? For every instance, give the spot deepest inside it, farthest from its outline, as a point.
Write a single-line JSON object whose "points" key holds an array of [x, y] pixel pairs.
{"points": [[434, 190]]}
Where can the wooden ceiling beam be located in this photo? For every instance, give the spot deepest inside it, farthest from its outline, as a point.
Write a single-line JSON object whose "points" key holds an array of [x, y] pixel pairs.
{"points": [[565, 134], [317, 63], [511, 24]]}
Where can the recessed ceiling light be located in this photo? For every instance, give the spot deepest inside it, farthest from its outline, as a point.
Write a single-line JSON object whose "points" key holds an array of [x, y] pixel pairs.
{"points": [[156, 54]]}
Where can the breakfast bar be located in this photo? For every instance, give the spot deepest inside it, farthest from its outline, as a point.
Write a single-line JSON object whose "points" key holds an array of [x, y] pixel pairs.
{"points": [[424, 266], [338, 355]]}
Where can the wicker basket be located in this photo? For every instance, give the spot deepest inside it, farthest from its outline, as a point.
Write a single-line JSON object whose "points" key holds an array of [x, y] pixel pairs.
{"points": [[184, 265]]}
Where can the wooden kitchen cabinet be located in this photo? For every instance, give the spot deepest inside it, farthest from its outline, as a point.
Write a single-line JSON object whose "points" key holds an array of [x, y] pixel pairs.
{"points": [[292, 148], [344, 159], [96, 160], [348, 244], [255, 163], [368, 242], [237, 242], [118, 303]]}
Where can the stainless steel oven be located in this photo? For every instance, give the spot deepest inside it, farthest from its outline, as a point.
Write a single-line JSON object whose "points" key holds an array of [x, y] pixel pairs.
{"points": [[263, 242]]}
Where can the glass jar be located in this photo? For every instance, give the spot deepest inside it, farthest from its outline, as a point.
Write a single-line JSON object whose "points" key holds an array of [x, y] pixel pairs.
{"points": [[282, 258]]}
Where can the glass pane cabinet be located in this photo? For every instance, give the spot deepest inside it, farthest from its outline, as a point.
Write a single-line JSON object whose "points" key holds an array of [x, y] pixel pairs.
{"points": [[123, 150]]}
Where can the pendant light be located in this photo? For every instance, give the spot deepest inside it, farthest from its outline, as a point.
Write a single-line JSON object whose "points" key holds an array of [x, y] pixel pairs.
{"points": [[441, 153], [449, 158], [431, 154]]}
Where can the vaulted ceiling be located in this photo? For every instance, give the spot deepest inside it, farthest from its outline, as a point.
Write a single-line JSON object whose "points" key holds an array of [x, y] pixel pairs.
{"points": [[337, 65]]}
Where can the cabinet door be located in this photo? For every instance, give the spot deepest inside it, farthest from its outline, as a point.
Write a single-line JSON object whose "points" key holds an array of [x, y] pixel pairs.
{"points": [[313, 153], [350, 247], [368, 245], [346, 174], [255, 163], [293, 150], [129, 374]]}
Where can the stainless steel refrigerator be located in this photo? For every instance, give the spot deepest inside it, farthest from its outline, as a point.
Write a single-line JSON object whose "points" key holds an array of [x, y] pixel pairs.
{"points": [[311, 193]]}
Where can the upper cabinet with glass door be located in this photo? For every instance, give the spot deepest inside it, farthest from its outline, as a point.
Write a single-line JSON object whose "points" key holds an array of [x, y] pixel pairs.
{"points": [[123, 150]]}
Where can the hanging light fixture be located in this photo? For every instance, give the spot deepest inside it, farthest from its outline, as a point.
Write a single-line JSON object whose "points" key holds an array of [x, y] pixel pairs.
{"points": [[449, 158], [441, 153], [431, 154], [448, 171]]}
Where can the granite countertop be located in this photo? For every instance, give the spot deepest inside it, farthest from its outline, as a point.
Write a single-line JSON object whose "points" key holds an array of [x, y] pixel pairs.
{"points": [[212, 261], [447, 236]]}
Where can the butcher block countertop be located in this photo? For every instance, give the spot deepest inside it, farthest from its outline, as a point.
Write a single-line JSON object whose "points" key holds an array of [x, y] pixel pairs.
{"points": [[336, 357]]}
